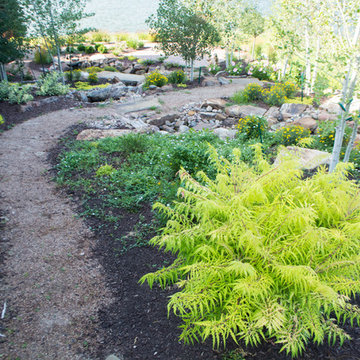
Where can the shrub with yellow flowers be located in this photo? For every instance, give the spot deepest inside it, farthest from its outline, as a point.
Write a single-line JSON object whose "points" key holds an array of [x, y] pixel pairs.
{"points": [[157, 79], [252, 126], [326, 135], [290, 88], [291, 135], [253, 92], [276, 96]]}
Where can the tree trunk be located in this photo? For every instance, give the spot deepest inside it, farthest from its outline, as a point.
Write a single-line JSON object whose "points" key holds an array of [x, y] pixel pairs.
{"points": [[57, 47], [227, 57], [3, 72], [352, 140], [192, 70], [285, 68], [307, 61], [253, 49], [314, 76]]}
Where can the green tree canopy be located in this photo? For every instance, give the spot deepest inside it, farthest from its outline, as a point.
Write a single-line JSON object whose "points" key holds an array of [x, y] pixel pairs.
{"points": [[182, 31]]}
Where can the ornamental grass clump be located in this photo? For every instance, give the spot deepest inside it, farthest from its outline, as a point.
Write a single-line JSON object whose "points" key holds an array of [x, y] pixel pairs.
{"points": [[263, 254]]}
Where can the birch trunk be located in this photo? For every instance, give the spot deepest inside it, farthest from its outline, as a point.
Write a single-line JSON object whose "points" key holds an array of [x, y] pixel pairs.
{"points": [[352, 140], [253, 49], [57, 47], [3, 72], [314, 76], [307, 61], [285, 68], [192, 70]]}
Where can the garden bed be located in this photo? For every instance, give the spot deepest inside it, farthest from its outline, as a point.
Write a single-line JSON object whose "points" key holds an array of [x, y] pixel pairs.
{"points": [[136, 322]]}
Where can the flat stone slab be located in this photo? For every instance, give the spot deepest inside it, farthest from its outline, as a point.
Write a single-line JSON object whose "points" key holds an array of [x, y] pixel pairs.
{"points": [[127, 79], [308, 159], [137, 106], [245, 110]]}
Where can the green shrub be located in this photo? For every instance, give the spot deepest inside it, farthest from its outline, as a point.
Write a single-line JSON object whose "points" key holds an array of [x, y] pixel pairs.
{"points": [[290, 88], [253, 91], [102, 49], [28, 76], [110, 68], [80, 85], [90, 50], [272, 55], [99, 36], [214, 68], [93, 69], [177, 77], [262, 254], [117, 50], [15, 93], [122, 36], [258, 52], [146, 61], [240, 98], [155, 78], [105, 170], [81, 48], [134, 44], [291, 135], [2, 121], [276, 96], [321, 85], [42, 57], [132, 58], [50, 85], [93, 78], [325, 135], [261, 70], [73, 75], [235, 70], [252, 126]]}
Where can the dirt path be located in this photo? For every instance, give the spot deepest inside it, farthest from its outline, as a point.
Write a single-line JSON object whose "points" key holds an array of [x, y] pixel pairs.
{"points": [[52, 285]]}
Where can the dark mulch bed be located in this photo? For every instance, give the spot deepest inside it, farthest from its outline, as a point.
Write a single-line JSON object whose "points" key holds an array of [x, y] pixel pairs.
{"points": [[14, 114], [136, 323]]}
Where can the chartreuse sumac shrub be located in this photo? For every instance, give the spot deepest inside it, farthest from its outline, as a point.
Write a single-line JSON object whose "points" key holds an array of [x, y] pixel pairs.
{"points": [[15, 93], [263, 254]]}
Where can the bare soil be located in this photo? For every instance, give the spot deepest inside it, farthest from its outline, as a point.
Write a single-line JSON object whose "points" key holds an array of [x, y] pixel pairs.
{"points": [[69, 293]]}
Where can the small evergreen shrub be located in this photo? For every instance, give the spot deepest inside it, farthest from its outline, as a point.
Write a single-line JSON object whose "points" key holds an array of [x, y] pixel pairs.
{"points": [[291, 135], [2, 121], [73, 75], [42, 57], [93, 69], [50, 85], [28, 76], [80, 85], [146, 61], [110, 68], [99, 36], [263, 254], [102, 49], [252, 126], [177, 77], [214, 69], [240, 98], [90, 50], [155, 78], [253, 92], [105, 170], [93, 78], [81, 48], [235, 70], [15, 93]]}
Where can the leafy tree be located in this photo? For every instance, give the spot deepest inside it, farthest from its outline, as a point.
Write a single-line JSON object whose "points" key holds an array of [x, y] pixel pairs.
{"points": [[253, 24], [182, 31], [12, 31], [53, 19], [263, 254]]}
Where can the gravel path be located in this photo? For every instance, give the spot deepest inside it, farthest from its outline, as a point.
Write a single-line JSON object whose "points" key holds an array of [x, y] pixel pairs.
{"points": [[51, 284]]}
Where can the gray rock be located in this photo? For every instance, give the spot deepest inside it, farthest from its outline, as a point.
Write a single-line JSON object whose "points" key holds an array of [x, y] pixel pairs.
{"points": [[183, 129], [81, 95], [220, 117], [84, 76], [224, 134], [209, 108], [208, 115], [308, 159], [202, 126], [167, 129], [293, 109], [271, 121], [114, 357], [152, 87], [244, 110], [162, 120], [273, 112], [115, 91], [307, 123], [223, 81], [229, 122], [209, 82]]}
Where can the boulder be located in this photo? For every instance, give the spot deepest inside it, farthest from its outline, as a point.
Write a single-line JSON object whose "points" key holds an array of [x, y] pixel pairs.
{"points": [[244, 110], [293, 109], [207, 115], [97, 57], [325, 116], [273, 112], [223, 81], [115, 91], [202, 126], [224, 134], [271, 121], [209, 82], [162, 120], [183, 129], [308, 159], [214, 103], [307, 123], [220, 117]]}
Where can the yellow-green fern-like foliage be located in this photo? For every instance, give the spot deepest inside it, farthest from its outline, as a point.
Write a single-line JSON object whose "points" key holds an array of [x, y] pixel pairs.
{"points": [[263, 253]]}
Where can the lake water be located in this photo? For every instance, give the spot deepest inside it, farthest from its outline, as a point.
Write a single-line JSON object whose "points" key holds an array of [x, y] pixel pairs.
{"points": [[130, 15], [120, 15]]}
